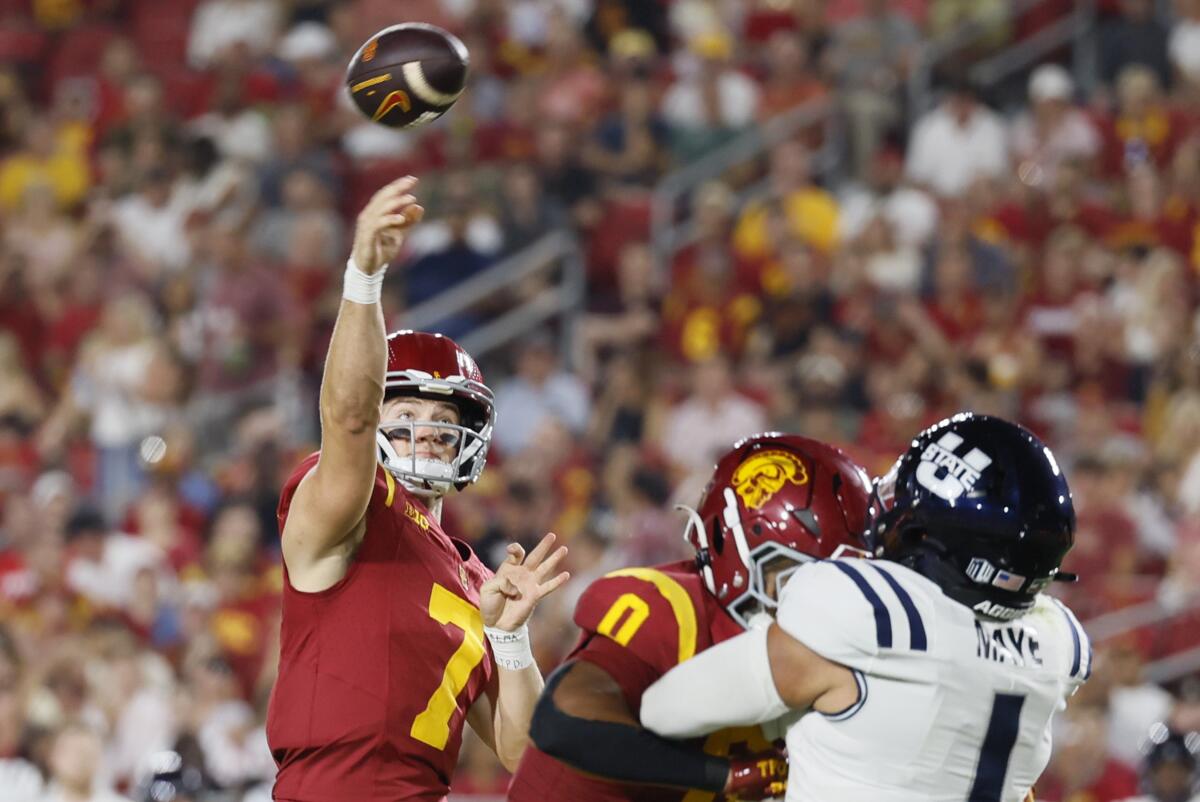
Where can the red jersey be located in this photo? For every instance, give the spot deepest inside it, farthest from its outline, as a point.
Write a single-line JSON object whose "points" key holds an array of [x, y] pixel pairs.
{"points": [[376, 673], [638, 623]]}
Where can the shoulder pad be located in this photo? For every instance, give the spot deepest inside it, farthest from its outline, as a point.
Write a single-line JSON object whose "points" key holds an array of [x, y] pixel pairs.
{"points": [[1071, 644], [849, 610], [645, 610]]}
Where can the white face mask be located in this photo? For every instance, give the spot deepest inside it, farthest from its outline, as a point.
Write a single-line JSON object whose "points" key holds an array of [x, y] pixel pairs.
{"points": [[428, 477]]}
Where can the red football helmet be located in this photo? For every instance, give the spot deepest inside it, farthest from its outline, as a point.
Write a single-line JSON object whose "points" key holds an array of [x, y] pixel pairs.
{"points": [[775, 502], [434, 366]]}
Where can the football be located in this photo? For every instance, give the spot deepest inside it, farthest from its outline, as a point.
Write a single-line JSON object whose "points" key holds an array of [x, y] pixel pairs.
{"points": [[408, 74]]}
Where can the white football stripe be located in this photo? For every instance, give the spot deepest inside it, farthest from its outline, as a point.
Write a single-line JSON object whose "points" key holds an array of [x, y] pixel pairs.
{"points": [[415, 76]]}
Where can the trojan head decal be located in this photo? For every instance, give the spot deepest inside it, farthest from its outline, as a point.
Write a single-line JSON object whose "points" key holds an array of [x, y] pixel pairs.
{"points": [[765, 473]]}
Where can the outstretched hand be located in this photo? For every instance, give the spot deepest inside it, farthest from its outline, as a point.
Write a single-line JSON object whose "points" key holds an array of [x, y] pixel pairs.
{"points": [[507, 599], [379, 230]]}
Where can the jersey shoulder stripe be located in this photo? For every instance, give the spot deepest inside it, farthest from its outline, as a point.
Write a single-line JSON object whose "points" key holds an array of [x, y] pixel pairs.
{"points": [[677, 597], [1079, 643], [916, 627], [883, 619]]}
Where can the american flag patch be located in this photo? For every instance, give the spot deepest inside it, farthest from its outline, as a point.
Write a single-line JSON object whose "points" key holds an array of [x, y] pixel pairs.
{"points": [[1008, 581]]}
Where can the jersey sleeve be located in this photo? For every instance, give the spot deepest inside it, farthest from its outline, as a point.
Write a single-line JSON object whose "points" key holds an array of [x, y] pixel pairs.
{"points": [[636, 628], [1072, 648], [832, 608], [289, 487], [385, 487]]}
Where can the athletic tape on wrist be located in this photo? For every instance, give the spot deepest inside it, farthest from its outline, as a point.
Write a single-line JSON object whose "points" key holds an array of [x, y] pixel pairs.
{"points": [[511, 650], [361, 288]]}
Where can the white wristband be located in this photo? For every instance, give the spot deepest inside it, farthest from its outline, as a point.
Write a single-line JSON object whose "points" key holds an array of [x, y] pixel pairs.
{"points": [[360, 288], [510, 649]]}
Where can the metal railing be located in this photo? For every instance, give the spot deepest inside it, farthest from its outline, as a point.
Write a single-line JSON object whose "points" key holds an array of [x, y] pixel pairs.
{"points": [[1147, 614], [1074, 29], [555, 257]]}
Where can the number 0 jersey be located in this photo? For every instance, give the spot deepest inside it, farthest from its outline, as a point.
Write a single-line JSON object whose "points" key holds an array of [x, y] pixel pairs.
{"points": [[951, 708], [638, 624], [376, 674]]}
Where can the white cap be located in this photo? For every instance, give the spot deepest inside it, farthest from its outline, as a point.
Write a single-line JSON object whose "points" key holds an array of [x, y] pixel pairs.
{"points": [[308, 40], [1051, 82]]}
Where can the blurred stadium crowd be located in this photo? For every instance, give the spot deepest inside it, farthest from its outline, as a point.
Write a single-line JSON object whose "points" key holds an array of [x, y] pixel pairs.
{"points": [[177, 185]]}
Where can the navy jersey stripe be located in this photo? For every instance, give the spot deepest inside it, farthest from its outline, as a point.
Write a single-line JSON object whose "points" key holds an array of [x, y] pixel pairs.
{"points": [[916, 627], [1077, 654], [883, 619], [1081, 636], [842, 715]]}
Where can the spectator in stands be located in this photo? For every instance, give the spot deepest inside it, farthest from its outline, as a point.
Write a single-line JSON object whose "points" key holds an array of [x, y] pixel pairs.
{"points": [[222, 29], [566, 178], [956, 143], [1143, 128], [1184, 44], [808, 211], [629, 146], [103, 562], [910, 211], [1134, 704], [1052, 131], [541, 391], [527, 213], [711, 100], [236, 330], [1170, 768], [990, 20], [151, 224], [871, 58], [306, 205], [791, 79], [711, 417], [294, 147], [19, 778], [1080, 767], [1136, 36], [53, 156], [75, 763], [240, 131]]}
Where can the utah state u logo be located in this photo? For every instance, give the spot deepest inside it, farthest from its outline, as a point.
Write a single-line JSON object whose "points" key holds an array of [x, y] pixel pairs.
{"points": [[947, 475]]}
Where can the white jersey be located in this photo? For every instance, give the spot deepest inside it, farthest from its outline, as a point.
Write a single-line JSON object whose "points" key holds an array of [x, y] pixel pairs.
{"points": [[952, 707]]}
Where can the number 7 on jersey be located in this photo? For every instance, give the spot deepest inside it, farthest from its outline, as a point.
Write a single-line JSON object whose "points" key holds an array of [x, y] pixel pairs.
{"points": [[432, 725]]}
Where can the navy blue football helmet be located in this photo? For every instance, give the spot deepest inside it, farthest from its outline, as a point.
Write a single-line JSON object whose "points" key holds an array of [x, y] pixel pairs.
{"points": [[978, 505]]}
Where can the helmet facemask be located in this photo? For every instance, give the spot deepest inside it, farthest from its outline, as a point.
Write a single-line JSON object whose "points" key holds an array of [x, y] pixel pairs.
{"points": [[753, 595], [431, 478]]}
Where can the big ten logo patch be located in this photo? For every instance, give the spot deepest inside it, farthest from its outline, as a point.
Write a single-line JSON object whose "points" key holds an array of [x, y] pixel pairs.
{"points": [[764, 474], [416, 516], [947, 475]]}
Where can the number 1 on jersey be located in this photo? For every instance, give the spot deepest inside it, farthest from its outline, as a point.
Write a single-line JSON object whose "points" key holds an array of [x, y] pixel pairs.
{"points": [[1003, 728], [432, 725]]}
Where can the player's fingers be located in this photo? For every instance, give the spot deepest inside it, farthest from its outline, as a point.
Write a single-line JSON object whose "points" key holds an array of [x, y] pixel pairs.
{"points": [[551, 563], [540, 551], [509, 589], [385, 196], [516, 553], [392, 190], [546, 588]]}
